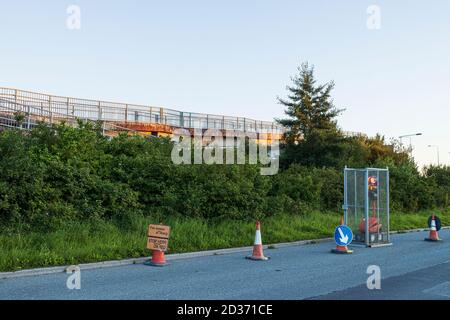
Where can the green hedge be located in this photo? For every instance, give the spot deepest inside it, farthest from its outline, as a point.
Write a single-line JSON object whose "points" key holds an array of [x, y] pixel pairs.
{"points": [[59, 174]]}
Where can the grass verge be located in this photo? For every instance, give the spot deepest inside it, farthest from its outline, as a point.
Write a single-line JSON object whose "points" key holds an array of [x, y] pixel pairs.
{"points": [[99, 241]]}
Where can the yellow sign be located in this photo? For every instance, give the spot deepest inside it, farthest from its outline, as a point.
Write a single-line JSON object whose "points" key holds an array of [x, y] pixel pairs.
{"points": [[158, 237], [158, 231], [157, 244]]}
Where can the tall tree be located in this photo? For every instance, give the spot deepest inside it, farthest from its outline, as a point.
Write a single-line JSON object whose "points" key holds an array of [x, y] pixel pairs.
{"points": [[309, 106]]}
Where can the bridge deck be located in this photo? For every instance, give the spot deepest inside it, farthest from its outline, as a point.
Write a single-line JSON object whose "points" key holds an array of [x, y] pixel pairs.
{"points": [[140, 118]]}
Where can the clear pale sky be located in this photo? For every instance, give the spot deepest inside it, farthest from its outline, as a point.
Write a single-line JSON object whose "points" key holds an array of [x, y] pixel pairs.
{"points": [[235, 57]]}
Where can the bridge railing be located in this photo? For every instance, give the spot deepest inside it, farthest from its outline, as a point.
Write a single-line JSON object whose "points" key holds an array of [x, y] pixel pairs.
{"points": [[27, 116], [123, 112]]}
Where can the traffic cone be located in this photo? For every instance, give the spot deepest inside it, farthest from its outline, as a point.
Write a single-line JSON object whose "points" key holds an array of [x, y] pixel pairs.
{"points": [[158, 259], [434, 236], [258, 247], [341, 249]]}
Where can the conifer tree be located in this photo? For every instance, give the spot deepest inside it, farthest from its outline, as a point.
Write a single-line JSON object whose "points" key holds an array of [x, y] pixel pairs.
{"points": [[309, 106]]}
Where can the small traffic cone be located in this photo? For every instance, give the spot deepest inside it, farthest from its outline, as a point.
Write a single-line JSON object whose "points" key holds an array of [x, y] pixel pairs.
{"points": [[258, 247], [158, 259], [341, 249], [434, 236]]}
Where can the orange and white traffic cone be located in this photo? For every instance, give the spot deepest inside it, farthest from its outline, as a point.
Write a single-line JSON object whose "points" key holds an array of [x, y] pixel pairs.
{"points": [[258, 247], [434, 236], [158, 259], [342, 249]]}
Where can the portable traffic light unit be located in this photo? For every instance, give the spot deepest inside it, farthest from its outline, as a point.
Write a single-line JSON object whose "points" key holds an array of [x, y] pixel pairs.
{"points": [[366, 205]]}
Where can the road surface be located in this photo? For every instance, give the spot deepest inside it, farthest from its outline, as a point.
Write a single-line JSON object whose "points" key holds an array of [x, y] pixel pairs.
{"points": [[410, 269]]}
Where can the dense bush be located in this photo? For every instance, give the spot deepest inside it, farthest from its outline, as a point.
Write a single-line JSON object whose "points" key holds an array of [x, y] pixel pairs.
{"points": [[53, 175], [56, 174], [438, 179]]}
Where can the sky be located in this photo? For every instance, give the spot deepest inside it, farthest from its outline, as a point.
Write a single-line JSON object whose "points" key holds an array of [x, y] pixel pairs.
{"points": [[235, 57]]}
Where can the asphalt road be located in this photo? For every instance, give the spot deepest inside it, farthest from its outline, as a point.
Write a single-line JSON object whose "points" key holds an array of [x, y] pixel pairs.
{"points": [[410, 269]]}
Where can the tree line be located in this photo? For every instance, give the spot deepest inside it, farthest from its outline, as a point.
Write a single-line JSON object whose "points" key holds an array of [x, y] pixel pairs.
{"points": [[58, 173]]}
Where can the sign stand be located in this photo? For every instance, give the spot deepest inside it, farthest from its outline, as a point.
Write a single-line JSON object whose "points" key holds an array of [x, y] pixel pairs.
{"points": [[343, 236], [158, 242]]}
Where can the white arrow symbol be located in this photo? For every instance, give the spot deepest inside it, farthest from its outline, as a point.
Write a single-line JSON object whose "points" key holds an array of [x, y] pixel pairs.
{"points": [[344, 238]]}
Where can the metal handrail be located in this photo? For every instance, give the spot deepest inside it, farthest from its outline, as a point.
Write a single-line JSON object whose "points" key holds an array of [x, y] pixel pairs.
{"points": [[124, 112], [34, 115]]}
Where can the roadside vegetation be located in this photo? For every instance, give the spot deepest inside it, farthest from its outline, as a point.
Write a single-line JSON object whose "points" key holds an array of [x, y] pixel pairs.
{"points": [[102, 240], [70, 195]]}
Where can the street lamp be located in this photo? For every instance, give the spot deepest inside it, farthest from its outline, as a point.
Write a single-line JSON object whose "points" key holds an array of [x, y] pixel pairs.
{"points": [[437, 151], [409, 136]]}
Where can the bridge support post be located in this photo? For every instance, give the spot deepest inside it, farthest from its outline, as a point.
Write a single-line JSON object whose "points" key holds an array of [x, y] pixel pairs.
{"points": [[181, 115], [99, 111], [67, 105], [28, 117]]}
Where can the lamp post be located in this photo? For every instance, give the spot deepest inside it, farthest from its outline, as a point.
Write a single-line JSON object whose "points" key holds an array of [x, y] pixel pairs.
{"points": [[437, 152], [409, 136]]}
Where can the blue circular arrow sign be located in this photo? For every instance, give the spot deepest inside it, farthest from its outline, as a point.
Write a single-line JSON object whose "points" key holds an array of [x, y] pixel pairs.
{"points": [[343, 235]]}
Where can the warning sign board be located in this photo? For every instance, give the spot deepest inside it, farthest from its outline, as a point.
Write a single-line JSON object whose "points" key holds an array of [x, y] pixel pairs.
{"points": [[157, 244], [158, 237], [158, 231], [437, 222]]}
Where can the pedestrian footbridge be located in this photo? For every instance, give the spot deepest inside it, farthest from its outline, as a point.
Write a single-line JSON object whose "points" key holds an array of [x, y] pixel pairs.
{"points": [[24, 109]]}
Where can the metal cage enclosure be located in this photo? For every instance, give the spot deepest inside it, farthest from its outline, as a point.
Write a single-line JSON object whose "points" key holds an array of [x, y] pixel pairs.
{"points": [[366, 205]]}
